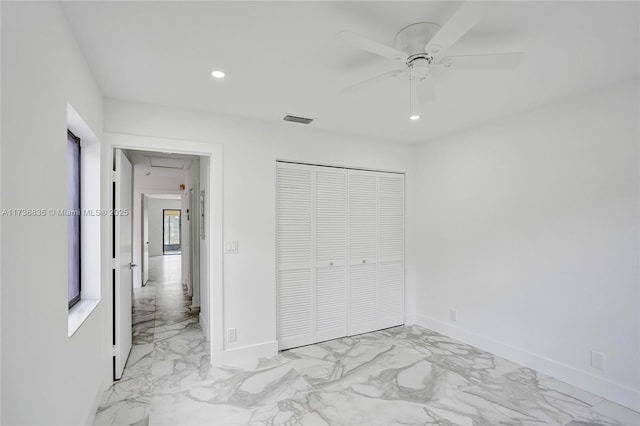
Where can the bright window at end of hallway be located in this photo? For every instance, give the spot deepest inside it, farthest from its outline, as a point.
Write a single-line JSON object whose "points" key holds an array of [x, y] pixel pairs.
{"points": [[171, 231]]}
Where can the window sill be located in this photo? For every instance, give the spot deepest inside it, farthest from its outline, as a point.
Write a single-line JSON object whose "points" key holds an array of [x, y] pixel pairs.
{"points": [[80, 312]]}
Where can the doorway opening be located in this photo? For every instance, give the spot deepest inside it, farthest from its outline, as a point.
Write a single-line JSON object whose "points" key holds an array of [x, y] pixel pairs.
{"points": [[208, 235], [163, 218], [171, 225]]}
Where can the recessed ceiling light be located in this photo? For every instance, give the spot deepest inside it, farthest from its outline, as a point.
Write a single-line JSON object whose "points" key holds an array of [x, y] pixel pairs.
{"points": [[414, 117], [218, 74]]}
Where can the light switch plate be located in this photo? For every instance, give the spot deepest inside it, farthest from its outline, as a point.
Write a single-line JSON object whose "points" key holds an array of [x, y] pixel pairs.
{"points": [[231, 247]]}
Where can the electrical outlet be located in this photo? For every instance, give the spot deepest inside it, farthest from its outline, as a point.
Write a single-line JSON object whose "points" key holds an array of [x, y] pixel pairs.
{"points": [[453, 315], [597, 360], [231, 335]]}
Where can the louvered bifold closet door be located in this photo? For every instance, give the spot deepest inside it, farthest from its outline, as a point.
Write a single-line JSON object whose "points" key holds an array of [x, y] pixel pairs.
{"points": [[362, 251], [331, 253], [390, 250], [294, 255]]}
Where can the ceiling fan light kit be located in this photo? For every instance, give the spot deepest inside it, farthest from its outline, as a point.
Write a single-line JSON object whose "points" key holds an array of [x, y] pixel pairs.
{"points": [[419, 47]]}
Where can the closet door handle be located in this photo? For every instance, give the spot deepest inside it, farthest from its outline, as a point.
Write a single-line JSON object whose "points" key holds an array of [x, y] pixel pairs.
{"points": [[330, 263], [364, 261]]}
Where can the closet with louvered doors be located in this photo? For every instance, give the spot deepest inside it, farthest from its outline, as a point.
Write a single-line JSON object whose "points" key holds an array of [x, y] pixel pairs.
{"points": [[340, 252]]}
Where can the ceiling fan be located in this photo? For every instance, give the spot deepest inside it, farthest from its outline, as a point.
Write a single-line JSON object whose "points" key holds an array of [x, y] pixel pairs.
{"points": [[423, 45]]}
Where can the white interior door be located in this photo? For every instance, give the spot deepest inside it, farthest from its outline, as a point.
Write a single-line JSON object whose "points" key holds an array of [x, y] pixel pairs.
{"points": [[294, 255], [145, 240], [123, 286], [390, 250], [330, 287], [363, 251]]}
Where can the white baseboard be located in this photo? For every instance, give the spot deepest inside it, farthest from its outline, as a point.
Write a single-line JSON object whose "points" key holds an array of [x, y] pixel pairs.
{"points": [[204, 326], [195, 302], [247, 356], [600, 386]]}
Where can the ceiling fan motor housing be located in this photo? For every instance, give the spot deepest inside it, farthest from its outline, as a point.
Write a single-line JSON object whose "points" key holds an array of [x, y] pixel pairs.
{"points": [[419, 65]]}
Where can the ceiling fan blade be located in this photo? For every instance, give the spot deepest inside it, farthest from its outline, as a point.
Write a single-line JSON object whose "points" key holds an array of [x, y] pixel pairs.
{"points": [[371, 46], [498, 61], [465, 18], [359, 86], [425, 89]]}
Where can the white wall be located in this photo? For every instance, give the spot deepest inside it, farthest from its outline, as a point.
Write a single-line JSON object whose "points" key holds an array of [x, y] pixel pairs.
{"points": [[529, 229], [250, 152], [206, 288], [47, 377], [155, 222], [1, 206]]}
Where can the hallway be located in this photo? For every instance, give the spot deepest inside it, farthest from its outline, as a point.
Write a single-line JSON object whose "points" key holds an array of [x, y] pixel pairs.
{"points": [[167, 343]]}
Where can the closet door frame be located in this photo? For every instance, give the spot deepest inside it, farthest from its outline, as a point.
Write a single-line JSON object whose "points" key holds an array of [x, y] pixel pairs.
{"points": [[351, 263]]}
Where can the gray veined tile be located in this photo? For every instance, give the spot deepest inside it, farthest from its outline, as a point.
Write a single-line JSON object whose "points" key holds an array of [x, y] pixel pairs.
{"points": [[243, 397], [143, 332], [616, 415], [125, 402], [335, 406], [401, 375], [171, 376], [185, 328], [139, 362], [123, 413]]}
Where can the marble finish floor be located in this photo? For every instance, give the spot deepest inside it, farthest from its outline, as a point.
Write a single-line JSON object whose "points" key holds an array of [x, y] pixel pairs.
{"points": [[165, 329], [400, 376]]}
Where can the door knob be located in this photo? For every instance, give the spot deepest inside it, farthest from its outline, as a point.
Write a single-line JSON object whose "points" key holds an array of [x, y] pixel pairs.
{"points": [[132, 265]]}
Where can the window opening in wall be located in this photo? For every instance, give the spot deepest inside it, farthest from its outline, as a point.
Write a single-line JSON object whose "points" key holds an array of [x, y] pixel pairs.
{"points": [[171, 231], [73, 224]]}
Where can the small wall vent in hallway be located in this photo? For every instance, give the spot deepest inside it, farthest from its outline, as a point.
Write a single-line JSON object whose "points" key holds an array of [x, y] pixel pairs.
{"points": [[297, 119]]}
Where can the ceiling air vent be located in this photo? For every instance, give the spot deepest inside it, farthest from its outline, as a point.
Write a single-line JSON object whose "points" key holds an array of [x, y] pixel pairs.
{"points": [[166, 163], [296, 119]]}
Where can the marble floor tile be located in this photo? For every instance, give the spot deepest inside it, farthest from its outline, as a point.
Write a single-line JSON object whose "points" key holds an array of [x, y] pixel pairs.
{"points": [[403, 375]]}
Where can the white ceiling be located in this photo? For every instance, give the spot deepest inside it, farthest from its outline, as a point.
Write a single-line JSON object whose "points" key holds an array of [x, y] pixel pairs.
{"points": [[164, 196], [283, 57], [144, 161]]}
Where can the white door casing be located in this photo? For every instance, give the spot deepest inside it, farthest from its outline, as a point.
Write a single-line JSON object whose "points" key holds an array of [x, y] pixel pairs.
{"points": [[145, 239], [194, 228], [123, 286]]}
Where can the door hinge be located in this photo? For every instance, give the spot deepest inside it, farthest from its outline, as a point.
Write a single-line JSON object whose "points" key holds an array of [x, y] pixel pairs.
{"points": [[114, 175], [113, 350], [113, 263]]}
